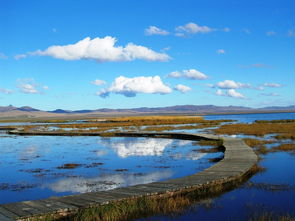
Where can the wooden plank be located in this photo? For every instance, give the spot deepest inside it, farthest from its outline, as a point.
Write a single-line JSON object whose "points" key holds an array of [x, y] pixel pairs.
{"points": [[58, 206], [8, 213], [75, 201], [5, 218], [17, 209], [41, 206]]}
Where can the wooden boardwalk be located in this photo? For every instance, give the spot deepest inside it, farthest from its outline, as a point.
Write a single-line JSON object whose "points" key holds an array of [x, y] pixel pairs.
{"points": [[236, 164]]}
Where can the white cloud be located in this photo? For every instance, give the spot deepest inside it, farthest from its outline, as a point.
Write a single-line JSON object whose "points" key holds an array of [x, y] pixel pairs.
{"points": [[291, 33], [101, 50], [3, 56], [220, 51], [219, 92], [180, 34], [230, 93], [153, 30], [28, 86], [234, 93], [175, 74], [20, 56], [191, 74], [6, 91], [270, 33], [192, 28], [98, 82], [182, 88], [229, 84], [194, 74], [275, 85], [129, 87]]}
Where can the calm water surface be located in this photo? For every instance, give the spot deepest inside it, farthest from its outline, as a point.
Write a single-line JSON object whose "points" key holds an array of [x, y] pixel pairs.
{"points": [[36, 167], [272, 191], [249, 118]]}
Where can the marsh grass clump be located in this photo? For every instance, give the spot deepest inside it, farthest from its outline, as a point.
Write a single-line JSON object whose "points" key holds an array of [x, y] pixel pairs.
{"points": [[285, 147], [255, 142], [259, 145], [69, 166], [284, 130]]}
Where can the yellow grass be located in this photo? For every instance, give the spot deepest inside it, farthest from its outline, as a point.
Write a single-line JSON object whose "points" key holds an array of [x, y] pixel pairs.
{"points": [[284, 130]]}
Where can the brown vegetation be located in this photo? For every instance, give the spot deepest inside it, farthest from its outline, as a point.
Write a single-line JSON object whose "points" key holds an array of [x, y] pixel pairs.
{"points": [[69, 166], [284, 130], [285, 147], [153, 123]]}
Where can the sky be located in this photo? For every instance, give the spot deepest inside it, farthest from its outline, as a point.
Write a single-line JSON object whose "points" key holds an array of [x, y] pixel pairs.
{"points": [[94, 54]]}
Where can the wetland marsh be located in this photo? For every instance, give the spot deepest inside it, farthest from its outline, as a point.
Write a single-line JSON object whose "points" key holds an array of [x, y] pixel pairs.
{"points": [[46, 166]]}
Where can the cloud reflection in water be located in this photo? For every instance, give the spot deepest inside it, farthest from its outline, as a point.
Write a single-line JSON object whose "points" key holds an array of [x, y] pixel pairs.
{"points": [[106, 181], [139, 147]]}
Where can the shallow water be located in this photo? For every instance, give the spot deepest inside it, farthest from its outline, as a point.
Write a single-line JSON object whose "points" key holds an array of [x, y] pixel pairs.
{"points": [[260, 194], [249, 118], [36, 167]]}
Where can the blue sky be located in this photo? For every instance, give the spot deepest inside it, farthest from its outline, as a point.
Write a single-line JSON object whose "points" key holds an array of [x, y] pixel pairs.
{"points": [[123, 54]]}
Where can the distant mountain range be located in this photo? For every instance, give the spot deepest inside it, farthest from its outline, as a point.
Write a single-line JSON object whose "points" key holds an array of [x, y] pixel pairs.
{"points": [[26, 111]]}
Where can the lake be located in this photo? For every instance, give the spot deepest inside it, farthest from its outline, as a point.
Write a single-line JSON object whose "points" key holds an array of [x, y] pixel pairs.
{"points": [[37, 167]]}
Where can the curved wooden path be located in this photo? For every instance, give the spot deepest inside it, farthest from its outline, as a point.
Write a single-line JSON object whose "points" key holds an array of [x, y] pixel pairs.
{"points": [[237, 163]]}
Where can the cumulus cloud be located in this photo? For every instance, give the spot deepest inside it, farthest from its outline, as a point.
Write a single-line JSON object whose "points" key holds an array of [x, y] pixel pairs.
{"points": [[274, 85], [192, 28], [6, 91], [98, 82], [28, 86], [230, 93], [129, 87], [220, 51], [153, 30], [101, 50], [182, 88], [191, 74], [229, 84]]}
